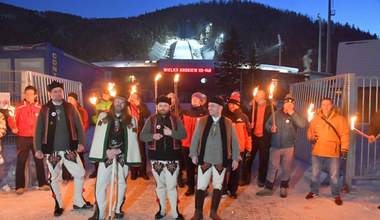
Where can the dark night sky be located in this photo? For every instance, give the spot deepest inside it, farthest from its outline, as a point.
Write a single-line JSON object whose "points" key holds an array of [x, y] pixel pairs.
{"points": [[363, 14]]}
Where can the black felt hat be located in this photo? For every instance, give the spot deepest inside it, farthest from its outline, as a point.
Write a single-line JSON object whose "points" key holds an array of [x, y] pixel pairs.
{"points": [[163, 98], [54, 84], [217, 99]]}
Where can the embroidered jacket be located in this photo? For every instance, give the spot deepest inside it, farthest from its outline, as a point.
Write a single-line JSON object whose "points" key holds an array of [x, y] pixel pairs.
{"points": [[100, 141]]}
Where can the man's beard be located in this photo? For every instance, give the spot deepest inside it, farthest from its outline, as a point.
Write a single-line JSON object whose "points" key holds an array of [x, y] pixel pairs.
{"points": [[163, 112]]}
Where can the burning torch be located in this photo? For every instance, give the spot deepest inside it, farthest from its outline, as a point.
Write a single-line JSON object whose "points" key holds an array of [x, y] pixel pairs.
{"points": [[310, 116], [271, 102], [176, 79], [254, 106], [158, 76], [111, 88], [353, 119], [133, 90], [11, 110], [93, 101]]}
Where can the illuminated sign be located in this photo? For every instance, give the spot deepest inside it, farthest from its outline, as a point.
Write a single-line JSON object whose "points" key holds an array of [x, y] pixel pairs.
{"points": [[54, 63], [186, 70]]}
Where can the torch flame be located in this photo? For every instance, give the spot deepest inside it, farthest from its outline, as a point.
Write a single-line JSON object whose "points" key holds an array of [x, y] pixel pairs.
{"points": [[353, 119], [93, 100], [111, 89], [133, 89], [271, 91], [255, 91], [11, 111], [158, 76], [176, 78], [310, 113]]}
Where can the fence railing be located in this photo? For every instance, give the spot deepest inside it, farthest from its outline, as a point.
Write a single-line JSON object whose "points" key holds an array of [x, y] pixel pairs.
{"points": [[14, 82], [351, 95]]}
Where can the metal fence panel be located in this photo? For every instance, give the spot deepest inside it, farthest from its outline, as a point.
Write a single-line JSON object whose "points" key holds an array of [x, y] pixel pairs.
{"points": [[352, 95], [313, 92], [367, 156], [14, 82]]}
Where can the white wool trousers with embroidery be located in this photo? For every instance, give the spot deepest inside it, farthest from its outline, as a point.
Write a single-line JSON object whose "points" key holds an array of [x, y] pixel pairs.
{"points": [[204, 178], [165, 174], [54, 163], [103, 179]]}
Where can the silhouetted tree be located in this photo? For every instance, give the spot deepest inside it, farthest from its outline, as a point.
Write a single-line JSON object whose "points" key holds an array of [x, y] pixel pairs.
{"points": [[231, 59]]}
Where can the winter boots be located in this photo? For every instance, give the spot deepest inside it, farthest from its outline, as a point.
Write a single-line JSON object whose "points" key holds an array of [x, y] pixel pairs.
{"points": [[199, 200], [283, 192], [216, 196], [265, 192]]}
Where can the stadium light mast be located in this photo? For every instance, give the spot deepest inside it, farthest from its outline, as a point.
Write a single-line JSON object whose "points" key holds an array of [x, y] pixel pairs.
{"points": [[279, 49], [328, 46], [320, 44]]}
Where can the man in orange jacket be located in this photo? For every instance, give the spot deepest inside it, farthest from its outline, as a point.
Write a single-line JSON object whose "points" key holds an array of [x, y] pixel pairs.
{"points": [[190, 118], [329, 134]]}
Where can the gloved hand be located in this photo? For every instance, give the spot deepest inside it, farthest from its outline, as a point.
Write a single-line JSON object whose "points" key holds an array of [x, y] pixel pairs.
{"points": [[343, 155]]}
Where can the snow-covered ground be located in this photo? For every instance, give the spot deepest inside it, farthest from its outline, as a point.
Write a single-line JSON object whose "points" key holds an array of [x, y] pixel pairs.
{"points": [[360, 203]]}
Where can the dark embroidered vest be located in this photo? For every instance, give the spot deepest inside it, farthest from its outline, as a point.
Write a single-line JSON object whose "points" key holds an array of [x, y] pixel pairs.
{"points": [[157, 127], [50, 123]]}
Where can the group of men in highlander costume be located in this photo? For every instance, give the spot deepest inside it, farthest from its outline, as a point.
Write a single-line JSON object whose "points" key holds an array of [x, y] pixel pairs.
{"points": [[208, 141]]}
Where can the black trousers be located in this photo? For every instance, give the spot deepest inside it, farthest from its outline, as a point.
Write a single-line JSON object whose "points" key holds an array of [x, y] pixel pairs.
{"points": [[258, 144], [190, 167], [231, 182], [24, 145], [142, 169], [181, 161]]}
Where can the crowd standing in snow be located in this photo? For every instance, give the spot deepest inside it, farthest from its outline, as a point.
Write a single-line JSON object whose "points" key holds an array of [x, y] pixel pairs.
{"points": [[209, 140]]}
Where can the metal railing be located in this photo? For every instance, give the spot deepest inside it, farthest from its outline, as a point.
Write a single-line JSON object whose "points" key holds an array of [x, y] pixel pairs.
{"points": [[367, 156], [351, 95], [14, 82]]}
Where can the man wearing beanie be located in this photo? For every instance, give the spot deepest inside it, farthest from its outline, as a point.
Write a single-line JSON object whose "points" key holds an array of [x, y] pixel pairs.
{"points": [[190, 118], [284, 134], [162, 132], [58, 137], [213, 146], [242, 127], [73, 99]]}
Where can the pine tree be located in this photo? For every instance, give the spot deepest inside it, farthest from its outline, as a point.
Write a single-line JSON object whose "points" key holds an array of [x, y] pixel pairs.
{"points": [[231, 60]]}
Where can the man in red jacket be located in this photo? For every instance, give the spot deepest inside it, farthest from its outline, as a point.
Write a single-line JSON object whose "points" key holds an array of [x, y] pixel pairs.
{"points": [[25, 119]]}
